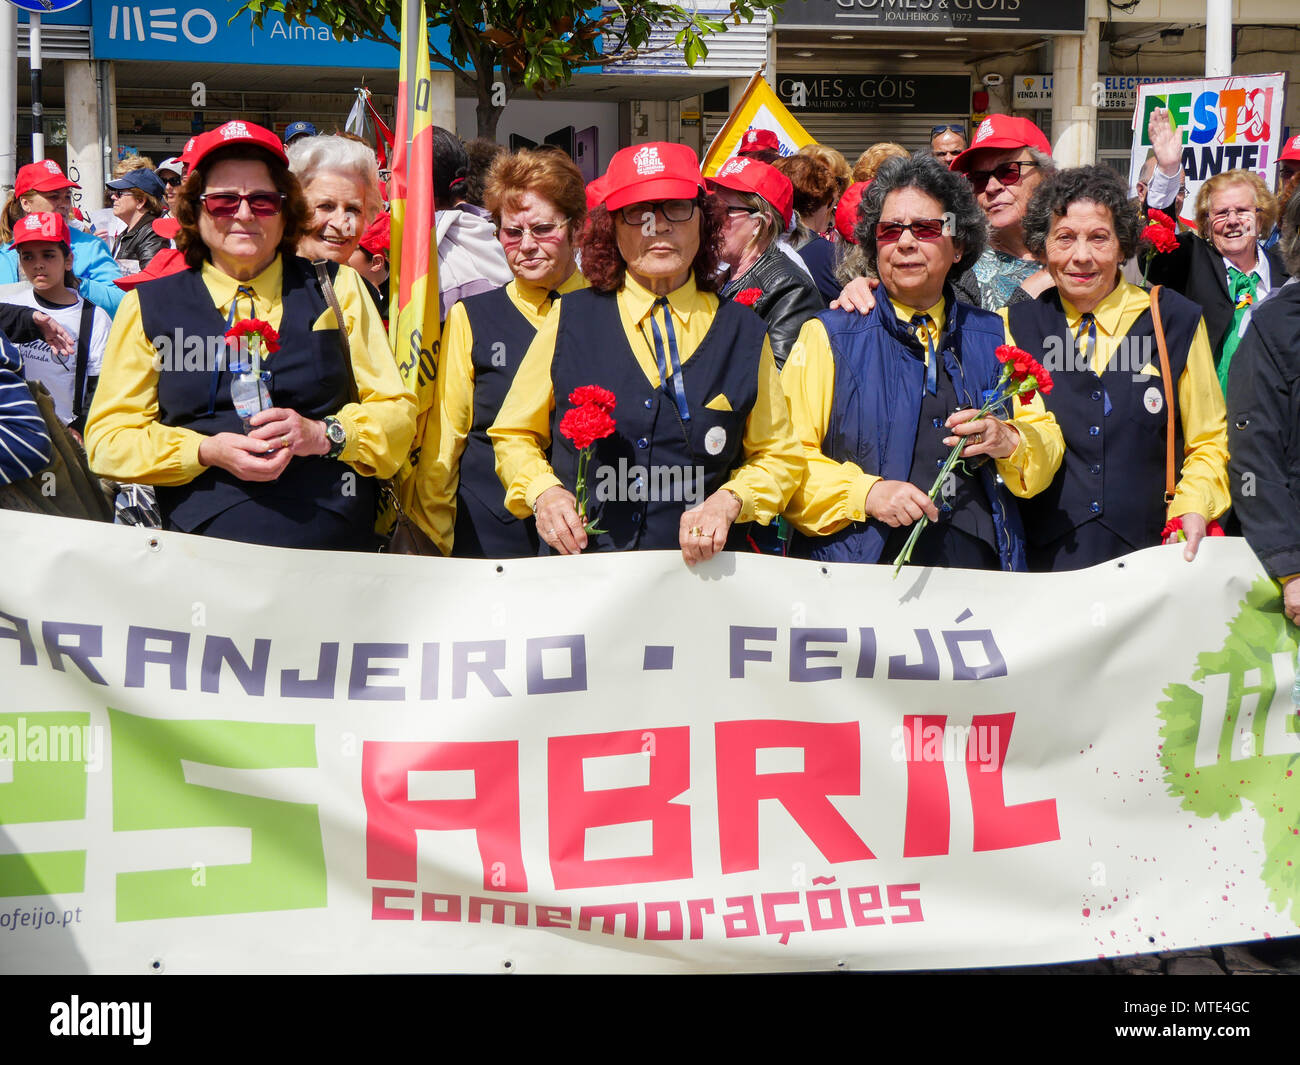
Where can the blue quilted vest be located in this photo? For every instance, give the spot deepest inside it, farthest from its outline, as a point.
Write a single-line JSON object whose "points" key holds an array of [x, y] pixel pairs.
{"points": [[879, 377]]}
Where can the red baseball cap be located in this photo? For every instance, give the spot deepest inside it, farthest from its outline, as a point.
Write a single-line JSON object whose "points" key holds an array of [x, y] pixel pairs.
{"points": [[234, 132], [167, 261], [752, 175], [757, 140], [846, 211], [375, 238], [595, 193], [654, 171], [45, 176], [1003, 131], [41, 225], [1291, 150]]}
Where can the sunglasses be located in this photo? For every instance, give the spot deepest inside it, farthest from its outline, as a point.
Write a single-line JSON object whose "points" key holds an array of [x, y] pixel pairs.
{"points": [[936, 130], [543, 232], [1006, 173], [634, 214], [924, 229], [171, 182], [226, 204]]}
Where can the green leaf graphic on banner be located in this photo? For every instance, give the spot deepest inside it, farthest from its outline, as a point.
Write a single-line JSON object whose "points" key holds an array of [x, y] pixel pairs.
{"points": [[1257, 765], [49, 784], [287, 871]]}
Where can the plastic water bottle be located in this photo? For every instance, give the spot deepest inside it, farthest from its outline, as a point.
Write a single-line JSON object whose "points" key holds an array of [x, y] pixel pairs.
{"points": [[249, 391]]}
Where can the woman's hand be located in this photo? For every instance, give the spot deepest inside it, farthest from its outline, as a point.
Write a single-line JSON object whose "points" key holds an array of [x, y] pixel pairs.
{"points": [[703, 530], [991, 437], [1166, 142], [858, 295], [898, 503], [278, 427], [245, 457], [1194, 526], [558, 523], [1291, 601]]}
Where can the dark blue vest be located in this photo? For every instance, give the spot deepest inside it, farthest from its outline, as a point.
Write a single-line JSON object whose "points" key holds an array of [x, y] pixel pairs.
{"points": [[654, 466], [879, 379], [484, 528], [1114, 466], [308, 375]]}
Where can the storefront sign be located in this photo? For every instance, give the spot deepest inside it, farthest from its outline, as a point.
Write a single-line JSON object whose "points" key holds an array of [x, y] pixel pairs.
{"points": [[197, 31], [997, 16], [1115, 92], [868, 93]]}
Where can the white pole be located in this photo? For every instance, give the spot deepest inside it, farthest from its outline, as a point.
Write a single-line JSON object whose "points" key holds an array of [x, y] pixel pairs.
{"points": [[38, 106], [1218, 38], [8, 95]]}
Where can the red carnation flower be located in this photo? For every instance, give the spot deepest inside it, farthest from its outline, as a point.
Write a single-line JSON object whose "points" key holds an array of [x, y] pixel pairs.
{"points": [[586, 424], [593, 394], [1159, 218], [1175, 525], [255, 327], [1162, 238], [748, 296]]}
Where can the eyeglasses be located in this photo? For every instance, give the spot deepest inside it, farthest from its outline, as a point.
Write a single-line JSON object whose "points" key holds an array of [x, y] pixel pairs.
{"points": [[738, 210], [1218, 218], [543, 232], [936, 130], [226, 204], [924, 229], [113, 194], [1007, 174], [634, 214], [171, 182]]}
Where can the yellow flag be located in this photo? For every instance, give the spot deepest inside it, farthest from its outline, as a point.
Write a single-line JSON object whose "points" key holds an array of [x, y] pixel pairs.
{"points": [[759, 108], [413, 258]]}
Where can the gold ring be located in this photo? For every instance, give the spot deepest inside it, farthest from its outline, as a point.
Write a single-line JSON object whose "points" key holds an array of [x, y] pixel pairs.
{"points": [[284, 441], [696, 531]]}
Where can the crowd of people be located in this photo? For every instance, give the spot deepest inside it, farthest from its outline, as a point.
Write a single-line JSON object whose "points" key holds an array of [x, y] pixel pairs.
{"points": [[780, 357]]}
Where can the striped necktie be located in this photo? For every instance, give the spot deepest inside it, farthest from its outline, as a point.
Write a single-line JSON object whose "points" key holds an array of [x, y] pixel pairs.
{"points": [[921, 323], [670, 363]]}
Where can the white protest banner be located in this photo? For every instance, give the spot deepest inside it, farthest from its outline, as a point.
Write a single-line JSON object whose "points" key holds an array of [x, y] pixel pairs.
{"points": [[1226, 123], [223, 758]]}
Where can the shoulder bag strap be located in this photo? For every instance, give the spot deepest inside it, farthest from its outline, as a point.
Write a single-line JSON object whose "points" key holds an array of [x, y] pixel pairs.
{"points": [[1166, 379], [84, 330], [332, 298]]}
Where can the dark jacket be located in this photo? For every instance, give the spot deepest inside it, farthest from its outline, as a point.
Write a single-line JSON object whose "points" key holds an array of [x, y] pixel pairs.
{"points": [[140, 242], [17, 323], [1196, 270], [1264, 432], [879, 375], [789, 298]]}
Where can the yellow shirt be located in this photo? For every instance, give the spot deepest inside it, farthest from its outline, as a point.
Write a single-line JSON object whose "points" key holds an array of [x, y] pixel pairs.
{"points": [[126, 441], [834, 494], [773, 463], [437, 477], [1202, 486]]}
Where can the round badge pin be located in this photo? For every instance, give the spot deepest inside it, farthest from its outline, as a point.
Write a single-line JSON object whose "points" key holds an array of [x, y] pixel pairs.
{"points": [[715, 440], [1154, 400]]}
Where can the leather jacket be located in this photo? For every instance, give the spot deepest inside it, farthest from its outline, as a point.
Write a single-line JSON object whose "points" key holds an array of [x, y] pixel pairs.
{"points": [[789, 298], [140, 243]]}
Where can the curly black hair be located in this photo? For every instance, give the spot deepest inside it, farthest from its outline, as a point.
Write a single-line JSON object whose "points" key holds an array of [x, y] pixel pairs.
{"points": [[953, 191], [1096, 184]]}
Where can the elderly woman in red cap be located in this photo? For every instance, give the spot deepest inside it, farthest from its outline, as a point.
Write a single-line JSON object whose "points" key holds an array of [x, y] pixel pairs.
{"points": [[260, 441], [759, 200], [702, 442]]}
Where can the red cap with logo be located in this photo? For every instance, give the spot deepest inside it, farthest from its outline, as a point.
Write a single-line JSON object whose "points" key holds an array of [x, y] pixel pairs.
{"points": [[1003, 131], [41, 225], [235, 132], [654, 171], [758, 140], [1291, 150], [846, 211], [45, 176], [752, 175]]}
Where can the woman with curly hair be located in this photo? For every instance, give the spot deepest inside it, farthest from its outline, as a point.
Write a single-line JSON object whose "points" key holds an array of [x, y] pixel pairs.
{"points": [[702, 442], [1124, 477], [878, 402]]}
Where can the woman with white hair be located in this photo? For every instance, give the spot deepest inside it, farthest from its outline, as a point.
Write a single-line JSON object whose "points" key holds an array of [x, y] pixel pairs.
{"points": [[340, 180]]}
